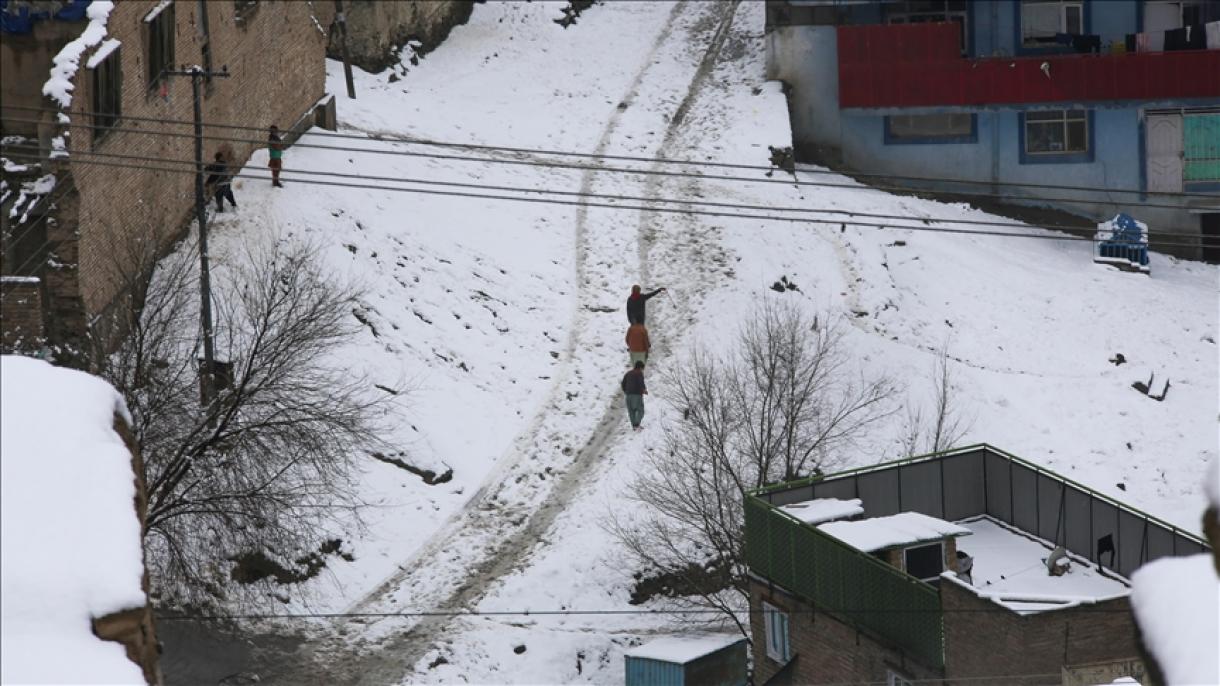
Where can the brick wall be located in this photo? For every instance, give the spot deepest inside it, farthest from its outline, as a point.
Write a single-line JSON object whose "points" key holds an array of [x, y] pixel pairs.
{"points": [[275, 55], [981, 641], [824, 650], [20, 314]]}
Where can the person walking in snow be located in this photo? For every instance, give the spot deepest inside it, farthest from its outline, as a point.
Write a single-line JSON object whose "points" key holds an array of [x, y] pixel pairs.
{"points": [[635, 390], [221, 182], [638, 344], [275, 144], [635, 303]]}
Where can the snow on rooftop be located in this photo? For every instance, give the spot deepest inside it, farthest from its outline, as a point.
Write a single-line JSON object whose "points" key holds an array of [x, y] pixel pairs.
{"points": [[59, 86], [1009, 569], [903, 528], [1176, 601], [821, 510], [683, 649], [69, 534]]}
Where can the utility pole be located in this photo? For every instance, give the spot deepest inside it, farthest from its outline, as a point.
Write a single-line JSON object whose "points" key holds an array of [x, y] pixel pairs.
{"points": [[207, 374], [341, 20]]}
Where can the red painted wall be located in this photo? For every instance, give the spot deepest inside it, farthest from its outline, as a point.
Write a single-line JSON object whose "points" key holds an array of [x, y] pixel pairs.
{"points": [[918, 65]]}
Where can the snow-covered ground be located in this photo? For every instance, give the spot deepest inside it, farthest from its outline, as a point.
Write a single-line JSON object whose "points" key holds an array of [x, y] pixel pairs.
{"points": [[506, 317]]}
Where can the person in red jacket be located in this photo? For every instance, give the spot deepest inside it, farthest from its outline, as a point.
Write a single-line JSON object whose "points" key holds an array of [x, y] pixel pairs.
{"points": [[635, 304], [638, 344]]}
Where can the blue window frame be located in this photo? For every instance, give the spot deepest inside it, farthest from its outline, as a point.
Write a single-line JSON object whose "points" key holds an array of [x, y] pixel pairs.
{"points": [[1038, 22], [1056, 136], [924, 129]]}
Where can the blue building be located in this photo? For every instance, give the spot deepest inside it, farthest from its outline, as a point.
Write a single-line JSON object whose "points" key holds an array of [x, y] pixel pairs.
{"points": [[1094, 107]]}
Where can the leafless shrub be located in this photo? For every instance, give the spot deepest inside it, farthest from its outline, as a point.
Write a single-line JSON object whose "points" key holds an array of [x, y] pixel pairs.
{"points": [[942, 426], [264, 467], [783, 404]]}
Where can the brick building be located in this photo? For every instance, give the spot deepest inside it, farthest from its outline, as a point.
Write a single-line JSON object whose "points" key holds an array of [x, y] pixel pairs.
{"points": [[81, 217], [949, 567]]}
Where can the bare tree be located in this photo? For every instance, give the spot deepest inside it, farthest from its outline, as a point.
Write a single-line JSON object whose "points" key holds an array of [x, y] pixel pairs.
{"points": [[943, 426], [260, 470], [783, 404]]}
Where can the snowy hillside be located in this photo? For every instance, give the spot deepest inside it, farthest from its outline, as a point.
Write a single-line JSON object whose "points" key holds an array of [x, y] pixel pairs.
{"points": [[506, 317]]}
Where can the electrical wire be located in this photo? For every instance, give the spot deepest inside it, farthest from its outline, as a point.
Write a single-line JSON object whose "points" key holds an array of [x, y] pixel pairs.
{"points": [[601, 612], [610, 196], [669, 210], [398, 138], [648, 172]]}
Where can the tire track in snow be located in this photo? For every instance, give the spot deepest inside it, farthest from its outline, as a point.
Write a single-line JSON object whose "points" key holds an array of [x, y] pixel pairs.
{"points": [[496, 530]]}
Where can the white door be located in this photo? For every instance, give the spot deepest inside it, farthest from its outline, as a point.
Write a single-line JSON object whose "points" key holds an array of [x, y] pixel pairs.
{"points": [[1163, 149]]}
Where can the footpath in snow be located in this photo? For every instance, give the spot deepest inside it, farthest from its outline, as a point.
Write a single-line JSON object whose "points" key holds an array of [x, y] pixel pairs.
{"points": [[506, 319]]}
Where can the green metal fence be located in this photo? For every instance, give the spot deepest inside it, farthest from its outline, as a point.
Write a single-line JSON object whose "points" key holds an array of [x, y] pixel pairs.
{"points": [[842, 581], [1201, 139]]}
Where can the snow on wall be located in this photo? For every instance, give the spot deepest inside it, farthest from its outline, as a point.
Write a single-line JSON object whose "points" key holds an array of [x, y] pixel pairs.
{"points": [[59, 86], [821, 510], [903, 528], [1176, 601], [70, 537]]}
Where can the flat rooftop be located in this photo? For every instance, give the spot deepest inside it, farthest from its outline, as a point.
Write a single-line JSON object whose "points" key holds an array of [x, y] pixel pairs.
{"points": [[1010, 569], [1009, 565]]}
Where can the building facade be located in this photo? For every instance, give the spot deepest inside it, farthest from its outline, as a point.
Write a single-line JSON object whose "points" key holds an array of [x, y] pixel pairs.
{"points": [[947, 568], [1089, 106], [99, 138]]}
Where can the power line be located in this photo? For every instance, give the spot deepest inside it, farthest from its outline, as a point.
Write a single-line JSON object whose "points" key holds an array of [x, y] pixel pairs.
{"points": [[602, 612], [669, 210], [611, 196], [378, 136], [656, 172]]}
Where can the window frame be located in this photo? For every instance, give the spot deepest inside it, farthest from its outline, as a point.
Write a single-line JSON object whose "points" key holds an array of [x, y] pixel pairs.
{"points": [[946, 139], [1039, 44], [775, 630], [108, 72], [896, 678], [940, 548], [902, 13], [1056, 156], [160, 37]]}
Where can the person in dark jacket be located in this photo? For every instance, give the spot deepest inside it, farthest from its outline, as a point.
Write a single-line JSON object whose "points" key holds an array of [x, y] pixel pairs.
{"points": [[221, 181], [635, 304], [634, 390]]}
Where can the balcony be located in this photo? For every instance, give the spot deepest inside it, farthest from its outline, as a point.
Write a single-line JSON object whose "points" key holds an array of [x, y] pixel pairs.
{"points": [[918, 65]]}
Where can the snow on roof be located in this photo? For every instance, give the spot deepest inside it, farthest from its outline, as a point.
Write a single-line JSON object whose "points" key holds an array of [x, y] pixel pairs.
{"points": [[821, 510], [1176, 601], [69, 534], [1008, 569], [683, 649], [901, 529], [59, 86]]}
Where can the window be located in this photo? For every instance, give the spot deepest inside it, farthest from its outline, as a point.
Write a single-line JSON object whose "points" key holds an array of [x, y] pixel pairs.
{"points": [[1201, 147], [921, 11], [930, 128], [1057, 132], [925, 562], [205, 43], [893, 678], [107, 92], [1161, 15], [245, 9], [161, 28], [1042, 20], [776, 622]]}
